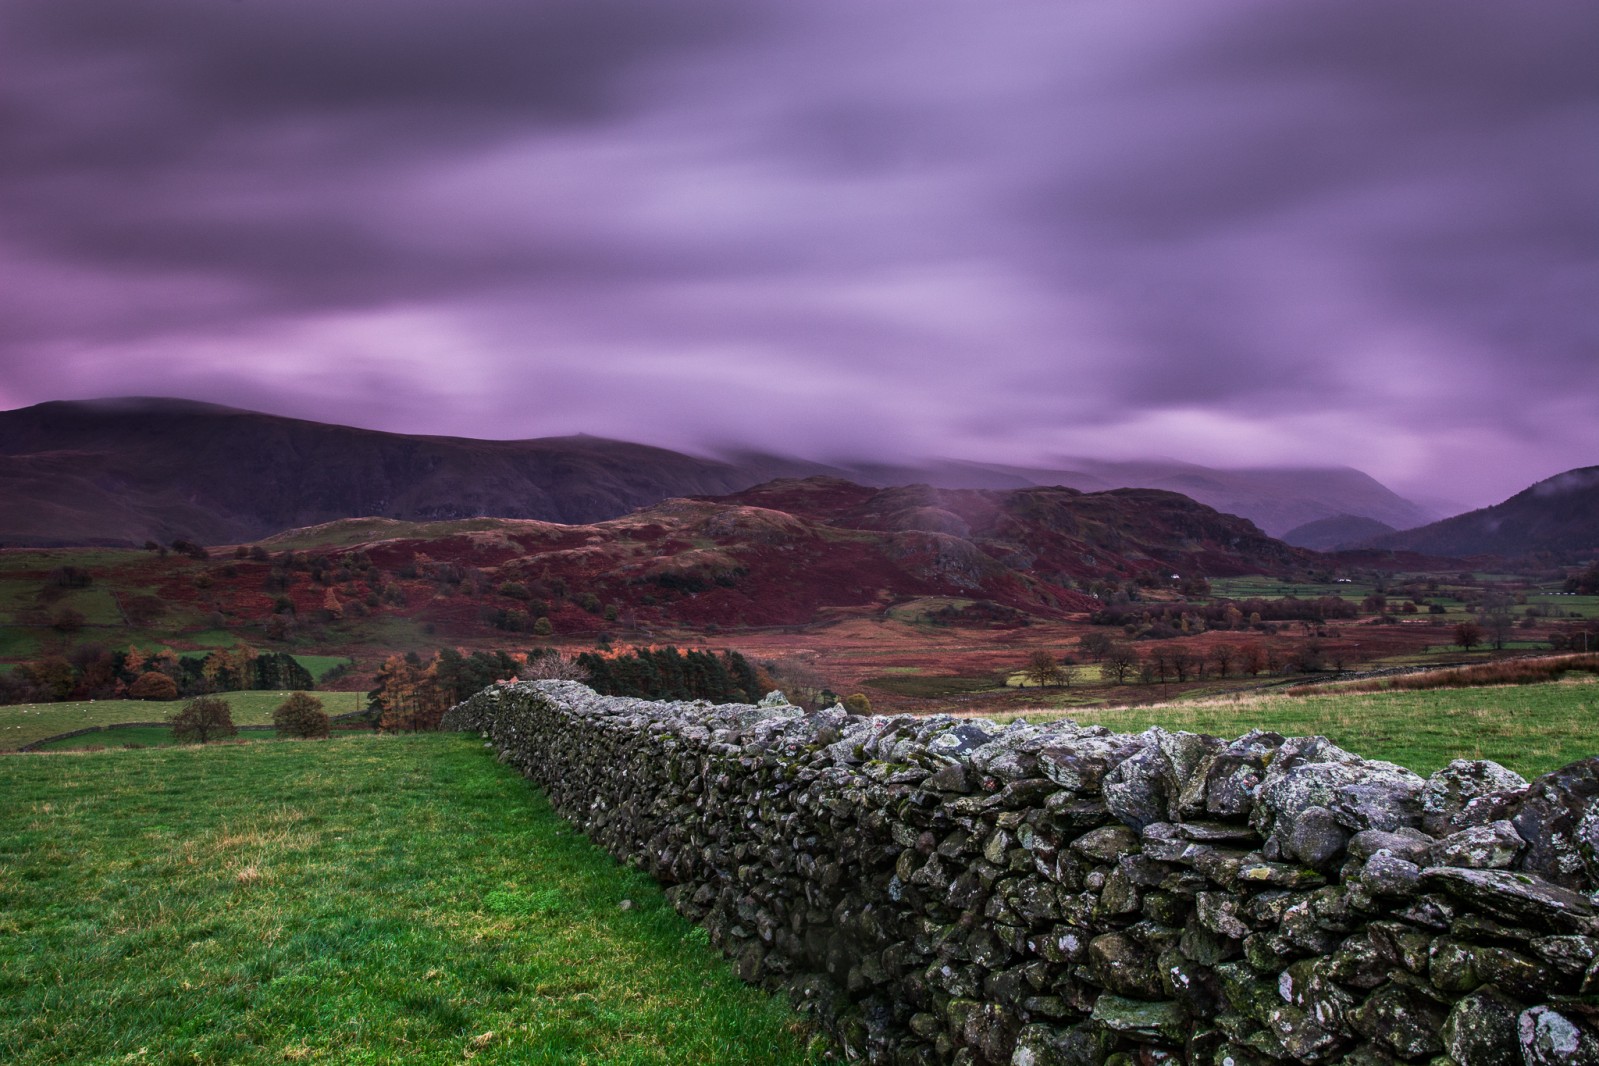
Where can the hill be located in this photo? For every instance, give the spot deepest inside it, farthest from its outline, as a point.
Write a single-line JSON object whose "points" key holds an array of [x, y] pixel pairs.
{"points": [[1336, 533], [125, 471], [1558, 515], [790, 552]]}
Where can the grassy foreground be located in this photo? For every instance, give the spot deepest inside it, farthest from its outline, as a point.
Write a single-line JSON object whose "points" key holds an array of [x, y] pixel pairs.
{"points": [[24, 723], [1532, 729], [375, 899]]}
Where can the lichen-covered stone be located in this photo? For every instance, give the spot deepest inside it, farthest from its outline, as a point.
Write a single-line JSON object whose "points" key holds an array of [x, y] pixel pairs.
{"points": [[1481, 1030], [1553, 1038], [1549, 818], [1517, 896], [1493, 846], [1163, 1021], [1451, 791], [1317, 839]]}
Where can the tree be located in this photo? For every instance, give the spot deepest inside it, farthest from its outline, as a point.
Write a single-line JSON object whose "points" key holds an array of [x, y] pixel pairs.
{"points": [[1042, 669], [153, 686], [1252, 659], [1223, 655], [552, 666], [1121, 662], [858, 704], [202, 720], [1094, 645], [1468, 635], [301, 715]]}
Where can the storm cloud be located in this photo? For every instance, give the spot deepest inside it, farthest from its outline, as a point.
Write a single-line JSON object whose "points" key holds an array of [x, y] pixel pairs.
{"points": [[1242, 233]]}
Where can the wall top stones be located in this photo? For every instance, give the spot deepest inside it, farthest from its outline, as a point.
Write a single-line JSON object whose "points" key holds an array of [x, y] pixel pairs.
{"points": [[942, 889]]}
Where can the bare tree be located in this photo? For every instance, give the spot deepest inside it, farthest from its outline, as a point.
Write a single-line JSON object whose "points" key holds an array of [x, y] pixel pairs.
{"points": [[1042, 669]]}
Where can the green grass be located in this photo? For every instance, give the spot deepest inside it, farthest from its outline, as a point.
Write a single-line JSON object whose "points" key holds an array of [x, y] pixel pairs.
{"points": [[153, 736], [374, 900], [1530, 728], [320, 665], [24, 723]]}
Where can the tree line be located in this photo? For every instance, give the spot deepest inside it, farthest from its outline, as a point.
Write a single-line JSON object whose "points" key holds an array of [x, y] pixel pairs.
{"points": [[93, 672]]}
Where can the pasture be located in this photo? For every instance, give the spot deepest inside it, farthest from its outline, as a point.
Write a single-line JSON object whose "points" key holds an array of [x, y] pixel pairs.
{"points": [[376, 899], [1532, 729], [24, 723]]}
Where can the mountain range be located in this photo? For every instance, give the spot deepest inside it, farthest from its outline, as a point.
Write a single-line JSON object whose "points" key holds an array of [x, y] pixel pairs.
{"points": [[128, 470]]}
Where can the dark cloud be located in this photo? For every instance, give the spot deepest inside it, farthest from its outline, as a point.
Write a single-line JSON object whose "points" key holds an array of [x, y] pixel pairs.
{"points": [[1350, 232]]}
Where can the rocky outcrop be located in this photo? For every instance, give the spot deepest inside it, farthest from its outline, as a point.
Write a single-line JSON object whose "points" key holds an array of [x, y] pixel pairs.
{"points": [[945, 890]]}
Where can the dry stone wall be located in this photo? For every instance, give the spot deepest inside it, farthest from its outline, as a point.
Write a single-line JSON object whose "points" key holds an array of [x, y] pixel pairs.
{"points": [[946, 890]]}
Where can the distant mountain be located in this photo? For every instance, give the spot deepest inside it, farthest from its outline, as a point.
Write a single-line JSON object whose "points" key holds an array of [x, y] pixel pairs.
{"points": [[129, 470], [1275, 499], [1560, 514], [123, 471], [1337, 533]]}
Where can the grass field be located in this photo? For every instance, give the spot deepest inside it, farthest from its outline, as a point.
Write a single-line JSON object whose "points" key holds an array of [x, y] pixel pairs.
{"points": [[24, 723], [1530, 728], [375, 899]]}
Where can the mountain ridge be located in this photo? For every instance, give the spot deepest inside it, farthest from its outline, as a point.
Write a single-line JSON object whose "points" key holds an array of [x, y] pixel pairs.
{"points": [[123, 470]]}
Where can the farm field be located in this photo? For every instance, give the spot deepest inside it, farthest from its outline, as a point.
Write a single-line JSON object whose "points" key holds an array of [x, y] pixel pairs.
{"points": [[378, 899], [24, 723], [1532, 729]]}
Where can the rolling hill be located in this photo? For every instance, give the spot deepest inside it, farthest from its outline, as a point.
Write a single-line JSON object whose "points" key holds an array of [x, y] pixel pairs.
{"points": [[789, 552]]}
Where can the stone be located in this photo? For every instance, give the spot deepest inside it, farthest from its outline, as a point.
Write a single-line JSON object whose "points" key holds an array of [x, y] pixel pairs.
{"points": [[1551, 1038], [1233, 775], [1108, 843], [1451, 966], [1124, 966], [1401, 1019], [1385, 875], [1450, 791], [1549, 817], [1482, 1030], [1164, 1020], [1571, 955], [1137, 791], [1409, 844], [1515, 896], [1494, 846], [1317, 839], [1042, 1045]]}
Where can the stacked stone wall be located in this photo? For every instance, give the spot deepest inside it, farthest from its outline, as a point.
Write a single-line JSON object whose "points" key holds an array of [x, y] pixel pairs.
{"points": [[946, 890]]}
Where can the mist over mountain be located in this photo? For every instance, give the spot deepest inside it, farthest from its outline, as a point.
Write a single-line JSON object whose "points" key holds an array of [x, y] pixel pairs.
{"points": [[127, 470]]}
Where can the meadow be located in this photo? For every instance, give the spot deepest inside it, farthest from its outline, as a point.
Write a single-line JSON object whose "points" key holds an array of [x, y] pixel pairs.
{"points": [[24, 723], [376, 899], [1531, 729]]}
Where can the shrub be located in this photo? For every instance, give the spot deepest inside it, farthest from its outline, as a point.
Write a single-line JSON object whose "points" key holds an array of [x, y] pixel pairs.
{"points": [[153, 686], [543, 627], [858, 704], [301, 715], [203, 719]]}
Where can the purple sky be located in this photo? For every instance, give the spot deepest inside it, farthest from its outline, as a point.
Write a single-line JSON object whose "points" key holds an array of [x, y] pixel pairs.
{"points": [[1241, 233]]}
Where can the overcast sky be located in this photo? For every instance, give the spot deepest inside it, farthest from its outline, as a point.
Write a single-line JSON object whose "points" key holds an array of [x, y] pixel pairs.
{"points": [[1250, 232]]}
